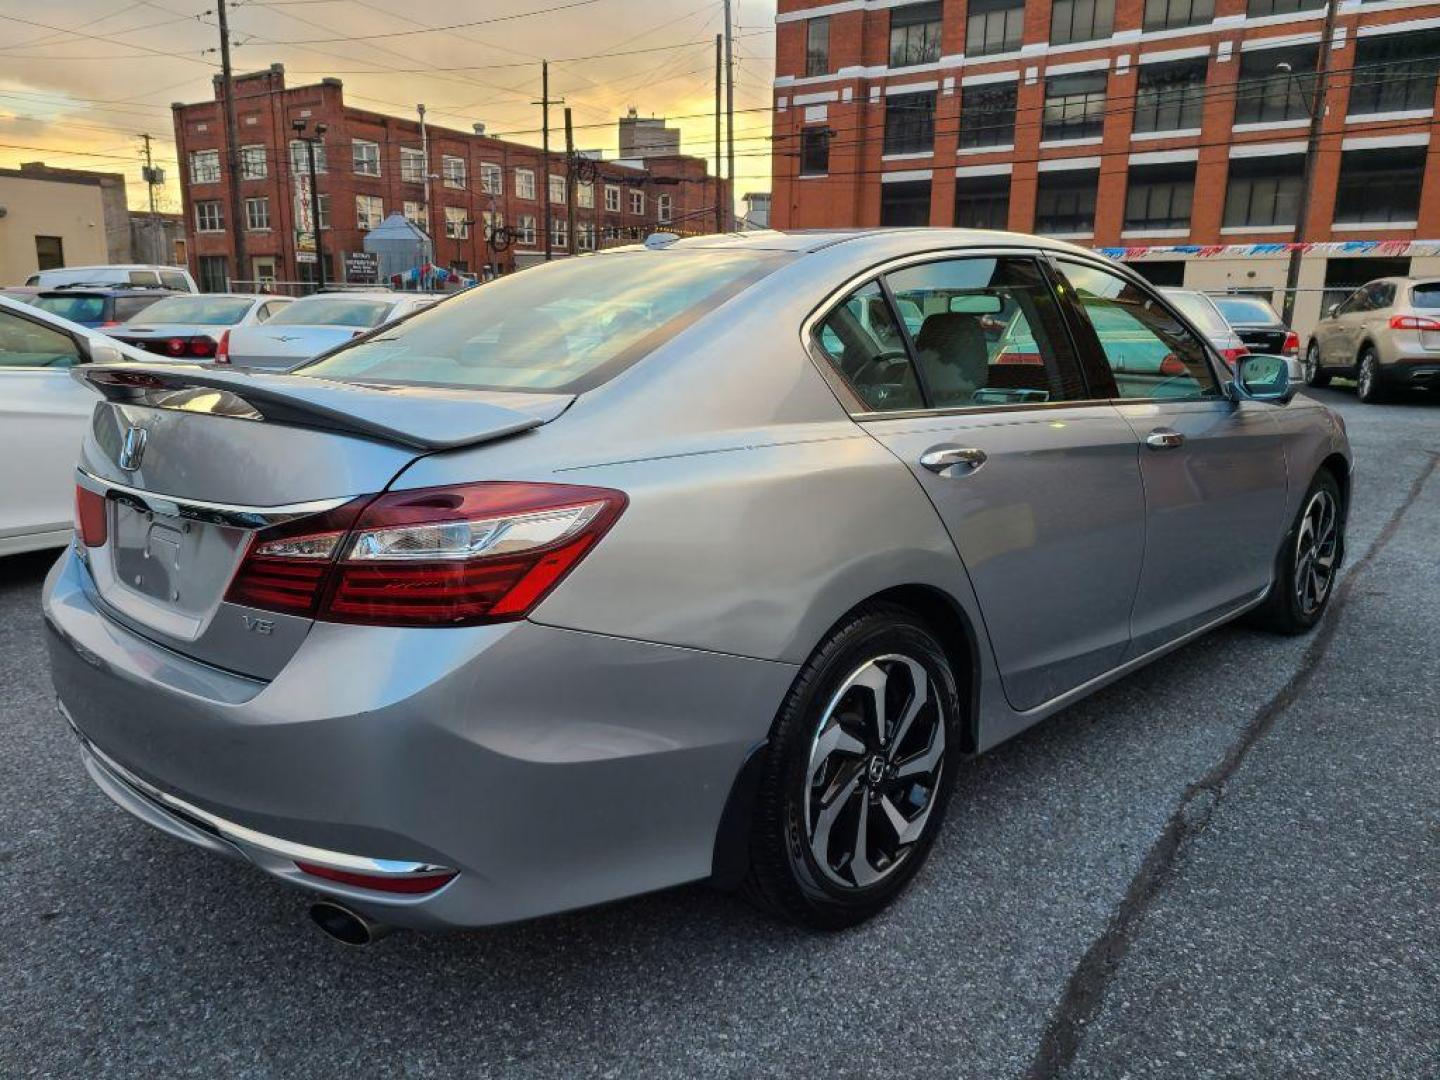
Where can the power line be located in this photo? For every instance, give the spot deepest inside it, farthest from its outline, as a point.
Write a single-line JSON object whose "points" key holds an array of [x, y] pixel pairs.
{"points": [[442, 29]]}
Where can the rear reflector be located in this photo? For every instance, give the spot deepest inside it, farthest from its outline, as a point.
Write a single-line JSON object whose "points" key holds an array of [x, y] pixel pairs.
{"points": [[423, 882], [90, 520]]}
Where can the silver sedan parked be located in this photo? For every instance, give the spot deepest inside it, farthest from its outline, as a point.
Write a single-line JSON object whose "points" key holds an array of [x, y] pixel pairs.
{"points": [[693, 561]]}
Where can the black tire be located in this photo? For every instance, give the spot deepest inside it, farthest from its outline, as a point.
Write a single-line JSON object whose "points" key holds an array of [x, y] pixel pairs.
{"points": [[1315, 375], [1369, 378], [785, 877], [1285, 610]]}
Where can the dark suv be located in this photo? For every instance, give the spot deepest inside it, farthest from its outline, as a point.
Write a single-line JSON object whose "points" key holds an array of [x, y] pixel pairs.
{"points": [[100, 307]]}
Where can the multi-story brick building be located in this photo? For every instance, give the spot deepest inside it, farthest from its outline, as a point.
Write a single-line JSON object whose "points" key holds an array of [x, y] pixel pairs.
{"points": [[370, 165], [1170, 132]]}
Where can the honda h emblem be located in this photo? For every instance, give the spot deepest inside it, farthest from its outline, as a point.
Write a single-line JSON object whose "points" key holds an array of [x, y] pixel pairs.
{"points": [[133, 449]]}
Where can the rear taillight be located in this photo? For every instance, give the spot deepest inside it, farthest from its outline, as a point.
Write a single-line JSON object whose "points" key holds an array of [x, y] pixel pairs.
{"points": [[1292, 344], [453, 556], [1171, 365], [1233, 355], [201, 346], [1413, 322], [175, 346], [90, 521], [222, 351]]}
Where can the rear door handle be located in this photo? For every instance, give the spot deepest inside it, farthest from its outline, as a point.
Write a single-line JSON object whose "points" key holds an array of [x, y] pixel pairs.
{"points": [[1164, 439], [965, 460]]}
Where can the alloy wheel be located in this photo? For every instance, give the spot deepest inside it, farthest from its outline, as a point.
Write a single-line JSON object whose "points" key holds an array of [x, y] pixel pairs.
{"points": [[1311, 364], [875, 766], [1366, 378], [1315, 548]]}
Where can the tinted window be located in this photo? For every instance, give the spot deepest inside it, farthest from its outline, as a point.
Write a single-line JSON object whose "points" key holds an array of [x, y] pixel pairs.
{"points": [[1239, 309], [1200, 311], [147, 278], [27, 344], [564, 326], [1150, 354], [989, 332], [1426, 296], [334, 311], [127, 307], [866, 346], [174, 281], [199, 310], [79, 308]]}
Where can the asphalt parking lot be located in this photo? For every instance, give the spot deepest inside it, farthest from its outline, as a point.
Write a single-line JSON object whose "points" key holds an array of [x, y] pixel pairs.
{"points": [[1227, 865]]}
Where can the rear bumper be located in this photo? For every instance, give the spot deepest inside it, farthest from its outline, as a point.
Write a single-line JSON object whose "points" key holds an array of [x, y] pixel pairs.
{"points": [[551, 769], [1412, 372]]}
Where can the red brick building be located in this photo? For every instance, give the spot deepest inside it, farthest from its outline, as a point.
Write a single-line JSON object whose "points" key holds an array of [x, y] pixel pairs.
{"points": [[1148, 125], [370, 165]]}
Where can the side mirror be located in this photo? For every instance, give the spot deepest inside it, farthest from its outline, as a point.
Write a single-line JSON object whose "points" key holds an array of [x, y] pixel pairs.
{"points": [[1260, 377], [101, 353], [1330, 311]]}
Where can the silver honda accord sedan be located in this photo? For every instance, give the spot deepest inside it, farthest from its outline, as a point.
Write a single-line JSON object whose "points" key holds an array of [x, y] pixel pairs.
{"points": [[708, 559]]}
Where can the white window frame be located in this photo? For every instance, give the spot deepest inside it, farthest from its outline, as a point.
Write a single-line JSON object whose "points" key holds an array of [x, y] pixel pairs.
{"points": [[492, 178], [361, 154], [251, 217], [414, 211], [612, 198], [525, 183], [525, 230], [559, 231], [557, 189], [453, 171], [204, 166], [254, 164], [457, 223], [664, 208], [300, 158], [365, 217], [585, 194], [209, 216], [585, 236], [637, 201], [412, 165]]}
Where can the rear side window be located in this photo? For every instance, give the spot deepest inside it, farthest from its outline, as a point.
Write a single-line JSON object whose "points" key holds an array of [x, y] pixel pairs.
{"points": [[144, 278], [175, 281], [865, 344], [1426, 296], [75, 308], [25, 344], [127, 307]]}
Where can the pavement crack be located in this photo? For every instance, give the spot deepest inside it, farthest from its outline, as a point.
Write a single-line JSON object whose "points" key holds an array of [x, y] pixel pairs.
{"points": [[1085, 988]]}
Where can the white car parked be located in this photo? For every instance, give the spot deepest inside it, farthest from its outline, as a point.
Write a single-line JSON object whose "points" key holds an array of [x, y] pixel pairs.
{"points": [[142, 275], [191, 328], [316, 324], [43, 416]]}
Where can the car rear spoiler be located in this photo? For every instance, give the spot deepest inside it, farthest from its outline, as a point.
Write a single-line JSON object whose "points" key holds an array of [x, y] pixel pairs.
{"points": [[420, 418]]}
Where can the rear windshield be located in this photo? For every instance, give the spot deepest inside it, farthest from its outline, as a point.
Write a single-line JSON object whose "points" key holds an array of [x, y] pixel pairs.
{"points": [[1200, 311], [1426, 296], [1243, 309], [333, 311], [199, 310], [75, 308], [563, 327]]}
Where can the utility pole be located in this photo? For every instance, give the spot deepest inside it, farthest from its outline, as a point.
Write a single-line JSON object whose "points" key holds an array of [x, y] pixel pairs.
{"points": [[151, 179], [571, 226], [719, 210], [425, 153], [544, 104], [1312, 152], [730, 111], [319, 234], [232, 139]]}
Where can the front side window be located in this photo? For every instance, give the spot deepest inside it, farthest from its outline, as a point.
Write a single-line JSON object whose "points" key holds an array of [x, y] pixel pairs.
{"points": [[814, 151], [1080, 20], [1380, 186], [993, 26], [914, 35], [982, 202], [1276, 84], [1169, 14], [1160, 196], [1065, 202], [987, 114], [453, 171], [1264, 192], [865, 345], [1149, 351], [365, 156], [910, 123], [30, 345], [817, 46], [204, 166], [1074, 106], [1170, 96]]}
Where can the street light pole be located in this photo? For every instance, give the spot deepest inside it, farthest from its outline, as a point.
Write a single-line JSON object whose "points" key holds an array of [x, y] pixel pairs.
{"points": [[310, 141]]}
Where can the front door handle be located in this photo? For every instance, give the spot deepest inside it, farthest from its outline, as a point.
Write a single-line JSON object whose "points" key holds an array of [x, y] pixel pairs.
{"points": [[1164, 439], [964, 460]]}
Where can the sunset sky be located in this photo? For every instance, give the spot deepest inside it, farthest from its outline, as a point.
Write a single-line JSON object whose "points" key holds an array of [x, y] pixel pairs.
{"points": [[80, 80]]}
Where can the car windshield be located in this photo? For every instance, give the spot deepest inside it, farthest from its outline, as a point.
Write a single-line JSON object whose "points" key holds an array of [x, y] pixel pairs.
{"points": [[1199, 310], [562, 327], [333, 311], [76, 308], [1245, 309], [199, 310]]}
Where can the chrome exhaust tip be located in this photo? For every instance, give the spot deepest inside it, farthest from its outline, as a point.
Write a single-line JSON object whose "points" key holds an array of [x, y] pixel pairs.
{"points": [[346, 926]]}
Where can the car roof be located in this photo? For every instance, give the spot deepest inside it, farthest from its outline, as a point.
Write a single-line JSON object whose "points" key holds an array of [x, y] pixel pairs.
{"points": [[803, 241], [108, 290]]}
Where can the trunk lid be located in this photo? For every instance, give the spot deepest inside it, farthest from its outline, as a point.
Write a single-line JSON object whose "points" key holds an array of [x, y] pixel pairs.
{"points": [[224, 454], [278, 347]]}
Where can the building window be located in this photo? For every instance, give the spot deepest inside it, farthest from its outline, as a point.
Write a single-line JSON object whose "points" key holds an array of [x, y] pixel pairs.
{"points": [[557, 189], [1074, 106], [987, 114], [412, 165], [49, 252], [322, 210], [914, 35], [910, 123], [1276, 84], [208, 217], [1159, 196], [1170, 97], [205, 166], [1081, 20], [452, 169], [525, 230], [457, 223], [559, 232], [612, 198], [905, 202], [585, 236], [1257, 8], [492, 179], [585, 194], [525, 183], [994, 26], [366, 157], [369, 211], [300, 157], [814, 151], [214, 273], [415, 214], [817, 46], [1264, 191], [491, 221], [1380, 186], [637, 202], [1169, 14], [663, 208], [1065, 202], [982, 202], [257, 215], [1395, 72], [252, 163]]}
